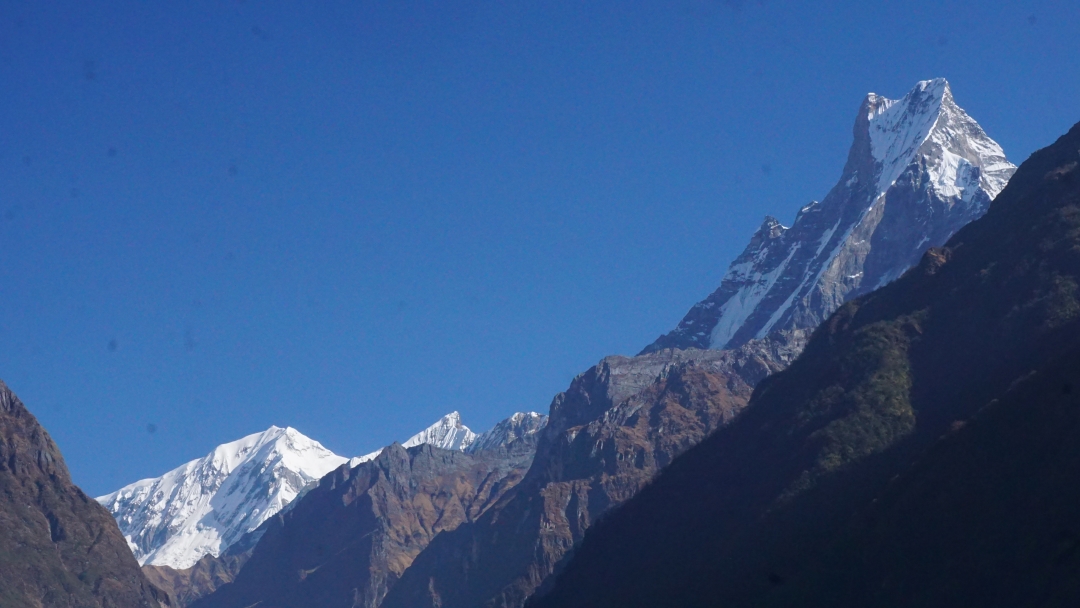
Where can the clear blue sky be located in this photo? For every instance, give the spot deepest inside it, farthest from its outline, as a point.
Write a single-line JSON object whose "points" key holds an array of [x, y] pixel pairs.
{"points": [[353, 217]]}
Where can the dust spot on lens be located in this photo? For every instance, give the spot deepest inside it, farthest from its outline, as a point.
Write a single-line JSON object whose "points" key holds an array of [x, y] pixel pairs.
{"points": [[113, 345], [151, 428]]}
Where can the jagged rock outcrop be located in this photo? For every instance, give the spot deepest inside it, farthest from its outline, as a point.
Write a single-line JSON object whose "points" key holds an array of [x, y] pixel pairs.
{"points": [[347, 541], [921, 452], [919, 169], [58, 548], [607, 436]]}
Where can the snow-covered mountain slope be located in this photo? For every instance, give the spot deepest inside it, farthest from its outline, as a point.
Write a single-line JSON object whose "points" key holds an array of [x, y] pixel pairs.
{"points": [[919, 169], [207, 504], [521, 424]]}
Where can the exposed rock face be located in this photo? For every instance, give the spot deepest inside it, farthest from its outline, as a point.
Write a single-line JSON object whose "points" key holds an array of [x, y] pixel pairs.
{"points": [[921, 452], [347, 541], [187, 585], [57, 546], [607, 436], [919, 169]]}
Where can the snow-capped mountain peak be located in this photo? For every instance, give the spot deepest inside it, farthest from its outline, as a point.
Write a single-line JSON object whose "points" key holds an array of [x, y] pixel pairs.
{"points": [[918, 170], [521, 424], [448, 433], [207, 504]]}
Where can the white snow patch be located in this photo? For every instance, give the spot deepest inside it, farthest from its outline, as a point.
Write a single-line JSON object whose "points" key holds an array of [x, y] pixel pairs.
{"points": [[742, 303]]}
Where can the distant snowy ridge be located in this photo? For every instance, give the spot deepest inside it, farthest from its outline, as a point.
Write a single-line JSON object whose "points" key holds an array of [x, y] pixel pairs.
{"points": [[918, 170], [449, 433], [207, 504], [518, 426]]}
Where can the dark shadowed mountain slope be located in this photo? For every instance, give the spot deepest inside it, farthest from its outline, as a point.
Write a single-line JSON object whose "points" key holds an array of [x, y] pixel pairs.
{"points": [[612, 430], [346, 542], [57, 546], [918, 170], [921, 452]]}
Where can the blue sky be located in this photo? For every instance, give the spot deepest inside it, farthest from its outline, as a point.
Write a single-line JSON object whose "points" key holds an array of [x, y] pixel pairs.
{"points": [[354, 217]]}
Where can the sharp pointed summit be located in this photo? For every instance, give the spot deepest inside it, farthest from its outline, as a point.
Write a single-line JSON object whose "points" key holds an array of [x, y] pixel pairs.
{"points": [[919, 169]]}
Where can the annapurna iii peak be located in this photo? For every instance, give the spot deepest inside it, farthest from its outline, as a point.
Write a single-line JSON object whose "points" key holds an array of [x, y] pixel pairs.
{"points": [[919, 169]]}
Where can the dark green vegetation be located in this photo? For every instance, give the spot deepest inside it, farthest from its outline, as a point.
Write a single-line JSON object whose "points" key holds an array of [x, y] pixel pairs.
{"points": [[923, 451], [57, 546]]}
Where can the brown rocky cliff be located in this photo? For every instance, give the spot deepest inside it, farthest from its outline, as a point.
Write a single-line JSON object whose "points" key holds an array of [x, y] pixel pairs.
{"points": [[608, 435], [347, 542], [58, 547], [187, 585]]}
